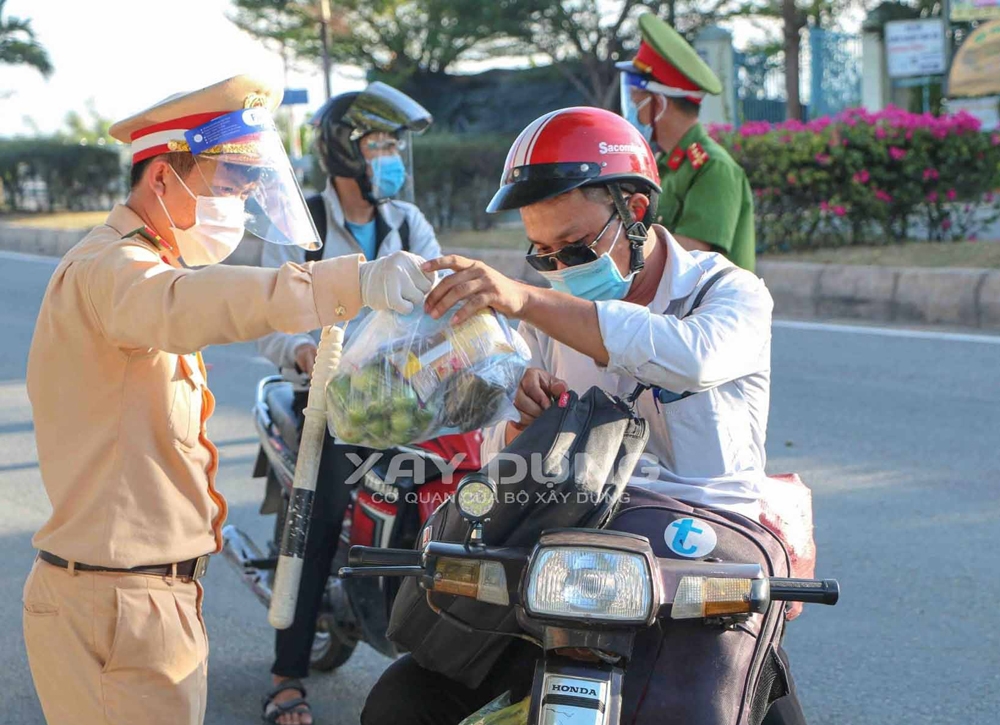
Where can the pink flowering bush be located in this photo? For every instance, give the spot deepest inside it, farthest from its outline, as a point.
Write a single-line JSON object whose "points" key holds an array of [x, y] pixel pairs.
{"points": [[863, 178]]}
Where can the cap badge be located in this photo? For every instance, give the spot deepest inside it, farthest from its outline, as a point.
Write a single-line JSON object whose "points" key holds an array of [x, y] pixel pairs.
{"points": [[254, 100]]}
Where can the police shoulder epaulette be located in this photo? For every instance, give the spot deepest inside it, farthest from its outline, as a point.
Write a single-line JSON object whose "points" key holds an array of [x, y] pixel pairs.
{"points": [[152, 237], [697, 154]]}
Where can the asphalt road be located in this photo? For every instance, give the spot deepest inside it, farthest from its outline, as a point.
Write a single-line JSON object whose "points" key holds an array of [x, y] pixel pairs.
{"points": [[898, 437]]}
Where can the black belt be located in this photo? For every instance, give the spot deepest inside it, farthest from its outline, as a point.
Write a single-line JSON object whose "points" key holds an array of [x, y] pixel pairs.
{"points": [[190, 569]]}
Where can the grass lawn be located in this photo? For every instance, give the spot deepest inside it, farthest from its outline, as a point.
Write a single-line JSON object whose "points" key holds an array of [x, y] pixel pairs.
{"points": [[60, 220], [500, 238], [912, 254]]}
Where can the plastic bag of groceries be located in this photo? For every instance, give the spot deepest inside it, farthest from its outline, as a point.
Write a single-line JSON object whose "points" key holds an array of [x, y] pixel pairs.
{"points": [[786, 509], [404, 379], [501, 712]]}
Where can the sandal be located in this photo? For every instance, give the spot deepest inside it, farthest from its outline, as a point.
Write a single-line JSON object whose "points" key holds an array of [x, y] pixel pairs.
{"points": [[271, 710]]}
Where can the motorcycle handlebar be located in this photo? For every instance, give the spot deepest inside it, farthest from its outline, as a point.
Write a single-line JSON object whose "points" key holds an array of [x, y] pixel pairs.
{"points": [[810, 591], [372, 556]]}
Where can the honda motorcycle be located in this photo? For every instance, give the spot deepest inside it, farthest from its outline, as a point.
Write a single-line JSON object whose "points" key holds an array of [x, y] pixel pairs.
{"points": [[396, 493], [582, 591]]}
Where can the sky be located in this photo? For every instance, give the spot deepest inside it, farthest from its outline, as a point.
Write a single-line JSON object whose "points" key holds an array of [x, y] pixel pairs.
{"points": [[129, 54]]}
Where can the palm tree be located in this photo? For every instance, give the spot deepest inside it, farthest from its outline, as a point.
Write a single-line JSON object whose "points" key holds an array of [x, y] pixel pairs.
{"points": [[18, 45]]}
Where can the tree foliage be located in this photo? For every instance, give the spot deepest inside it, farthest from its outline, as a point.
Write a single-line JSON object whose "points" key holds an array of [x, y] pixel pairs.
{"points": [[398, 40], [595, 34], [46, 174], [394, 39], [288, 27], [18, 45], [89, 127]]}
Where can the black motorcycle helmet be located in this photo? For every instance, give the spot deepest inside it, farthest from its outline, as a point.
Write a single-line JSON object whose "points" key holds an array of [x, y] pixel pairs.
{"points": [[346, 119]]}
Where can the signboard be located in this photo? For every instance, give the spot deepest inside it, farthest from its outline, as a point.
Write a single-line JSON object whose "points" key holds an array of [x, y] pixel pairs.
{"points": [[915, 48], [975, 71], [965, 10], [986, 109], [295, 97]]}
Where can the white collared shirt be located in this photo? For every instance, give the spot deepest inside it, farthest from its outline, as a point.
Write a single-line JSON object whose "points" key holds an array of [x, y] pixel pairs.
{"points": [[706, 449]]}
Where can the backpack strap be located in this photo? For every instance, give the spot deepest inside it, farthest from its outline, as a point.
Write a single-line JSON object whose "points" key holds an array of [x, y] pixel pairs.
{"points": [[404, 234], [666, 396], [700, 297], [382, 230], [317, 210]]}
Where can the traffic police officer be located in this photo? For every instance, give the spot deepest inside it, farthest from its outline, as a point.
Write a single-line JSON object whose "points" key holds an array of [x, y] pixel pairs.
{"points": [[112, 607], [706, 201]]}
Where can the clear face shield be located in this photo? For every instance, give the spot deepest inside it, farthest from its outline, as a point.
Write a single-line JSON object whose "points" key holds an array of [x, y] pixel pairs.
{"points": [[389, 159], [636, 102], [385, 121], [241, 155], [644, 101]]}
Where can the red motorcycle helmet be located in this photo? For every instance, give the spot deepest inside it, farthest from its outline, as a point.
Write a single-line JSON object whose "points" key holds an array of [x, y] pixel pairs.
{"points": [[576, 147], [573, 147]]}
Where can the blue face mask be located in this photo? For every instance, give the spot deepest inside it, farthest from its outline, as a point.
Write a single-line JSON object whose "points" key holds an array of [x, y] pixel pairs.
{"points": [[632, 116], [595, 281], [388, 176]]}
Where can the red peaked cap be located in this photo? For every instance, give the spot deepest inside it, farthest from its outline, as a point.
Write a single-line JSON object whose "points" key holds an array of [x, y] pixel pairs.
{"points": [[649, 61], [570, 148]]}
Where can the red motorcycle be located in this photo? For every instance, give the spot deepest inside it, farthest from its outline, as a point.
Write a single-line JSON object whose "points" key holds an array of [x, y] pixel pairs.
{"points": [[396, 491]]}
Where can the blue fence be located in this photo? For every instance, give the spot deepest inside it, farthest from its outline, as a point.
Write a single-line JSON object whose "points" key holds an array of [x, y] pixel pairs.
{"points": [[829, 79]]}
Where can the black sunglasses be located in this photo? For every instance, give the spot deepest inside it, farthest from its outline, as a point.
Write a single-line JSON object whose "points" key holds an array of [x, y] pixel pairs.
{"points": [[571, 255]]}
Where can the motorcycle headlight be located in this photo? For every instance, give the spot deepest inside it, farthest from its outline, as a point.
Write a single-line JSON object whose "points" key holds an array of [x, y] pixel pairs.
{"points": [[590, 583]]}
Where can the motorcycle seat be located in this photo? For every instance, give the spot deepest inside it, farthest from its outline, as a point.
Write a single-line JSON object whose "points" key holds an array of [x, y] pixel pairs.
{"points": [[280, 399]]}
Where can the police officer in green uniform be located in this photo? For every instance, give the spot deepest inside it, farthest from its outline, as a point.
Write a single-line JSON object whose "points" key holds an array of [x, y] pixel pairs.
{"points": [[706, 201]]}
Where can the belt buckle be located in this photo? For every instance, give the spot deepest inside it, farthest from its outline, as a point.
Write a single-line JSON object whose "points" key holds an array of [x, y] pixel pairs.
{"points": [[200, 567]]}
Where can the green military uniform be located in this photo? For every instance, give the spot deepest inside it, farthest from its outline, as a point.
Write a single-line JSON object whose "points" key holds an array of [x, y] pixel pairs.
{"points": [[706, 195]]}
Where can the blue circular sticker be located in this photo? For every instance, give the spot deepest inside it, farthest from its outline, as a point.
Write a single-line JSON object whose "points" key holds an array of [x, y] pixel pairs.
{"points": [[690, 538]]}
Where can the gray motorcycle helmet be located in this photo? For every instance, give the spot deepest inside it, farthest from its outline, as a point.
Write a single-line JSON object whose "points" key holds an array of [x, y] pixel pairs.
{"points": [[344, 120]]}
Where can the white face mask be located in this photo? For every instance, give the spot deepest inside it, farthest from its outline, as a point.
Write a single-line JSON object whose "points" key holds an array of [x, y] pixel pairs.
{"points": [[217, 230]]}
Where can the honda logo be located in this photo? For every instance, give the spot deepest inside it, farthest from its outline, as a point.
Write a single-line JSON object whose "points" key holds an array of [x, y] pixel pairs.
{"points": [[574, 690]]}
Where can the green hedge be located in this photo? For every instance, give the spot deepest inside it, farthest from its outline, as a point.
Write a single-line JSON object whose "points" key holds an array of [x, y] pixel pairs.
{"points": [[456, 176], [868, 178], [49, 175]]}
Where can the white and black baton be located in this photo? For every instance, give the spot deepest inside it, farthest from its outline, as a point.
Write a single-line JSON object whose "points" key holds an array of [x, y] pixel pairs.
{"points": [[293, 539]]}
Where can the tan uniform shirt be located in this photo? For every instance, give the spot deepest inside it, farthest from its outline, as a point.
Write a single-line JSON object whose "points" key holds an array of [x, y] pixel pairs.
{"points": [[118, 390]]}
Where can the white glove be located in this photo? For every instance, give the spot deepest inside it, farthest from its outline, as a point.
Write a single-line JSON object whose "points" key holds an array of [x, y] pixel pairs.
{"points": [[395, 282]]}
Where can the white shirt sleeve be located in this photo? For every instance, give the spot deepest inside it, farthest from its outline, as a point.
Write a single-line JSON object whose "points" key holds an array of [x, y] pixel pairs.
{"points": [[493, 437], [279, 347], [719, 342]]}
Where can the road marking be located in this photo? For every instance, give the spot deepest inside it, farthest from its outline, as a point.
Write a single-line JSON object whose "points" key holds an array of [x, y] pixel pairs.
{"points": [[36, 258], [887, 332]]}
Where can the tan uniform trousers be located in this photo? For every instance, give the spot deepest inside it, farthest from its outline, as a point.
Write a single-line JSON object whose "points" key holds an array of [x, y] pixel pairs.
{"points": [[115, 649]]}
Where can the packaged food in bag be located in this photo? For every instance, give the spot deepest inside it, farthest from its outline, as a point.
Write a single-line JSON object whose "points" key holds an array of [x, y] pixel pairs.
{"points": [[501, 712], [406, 379]]}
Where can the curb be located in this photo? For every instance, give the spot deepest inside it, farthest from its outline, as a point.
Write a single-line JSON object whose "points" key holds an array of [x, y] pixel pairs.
{"points": [[946, 296], [911, 295], [48, 242]]}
